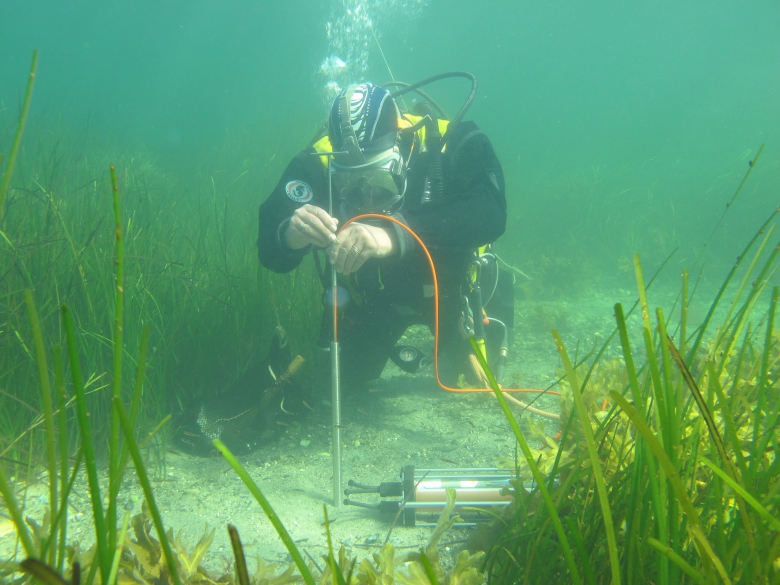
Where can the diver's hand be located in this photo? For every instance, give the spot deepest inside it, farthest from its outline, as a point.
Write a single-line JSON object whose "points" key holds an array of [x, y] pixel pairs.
{"points": [[310, 225], [357, 243]]}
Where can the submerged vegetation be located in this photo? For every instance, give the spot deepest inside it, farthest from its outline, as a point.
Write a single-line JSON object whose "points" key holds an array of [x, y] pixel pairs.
{"points": [[191, 275], [666, 470]]}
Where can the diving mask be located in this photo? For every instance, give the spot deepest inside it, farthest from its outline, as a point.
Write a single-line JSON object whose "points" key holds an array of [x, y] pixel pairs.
{"points": [[375, 186]]}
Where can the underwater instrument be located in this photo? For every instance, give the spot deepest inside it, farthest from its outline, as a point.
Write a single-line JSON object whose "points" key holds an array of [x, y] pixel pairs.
{"points": [[422, 494]]}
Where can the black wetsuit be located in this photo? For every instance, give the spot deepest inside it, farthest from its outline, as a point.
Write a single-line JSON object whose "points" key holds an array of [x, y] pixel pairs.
{"points": [[393, 293]]}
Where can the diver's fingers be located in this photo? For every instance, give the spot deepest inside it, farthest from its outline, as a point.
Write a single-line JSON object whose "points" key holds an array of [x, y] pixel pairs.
{"points": [[317, 233], [357, 243], [301, 233], [296, 235], [341, 249], [314, 227], [352, 259], [360, 246], [360, 259], [331, 224], [336, 244]]}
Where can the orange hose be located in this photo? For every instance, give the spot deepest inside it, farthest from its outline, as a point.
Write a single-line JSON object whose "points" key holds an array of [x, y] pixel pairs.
{"points": [[533, 409], [436, 314], [557, 436]]}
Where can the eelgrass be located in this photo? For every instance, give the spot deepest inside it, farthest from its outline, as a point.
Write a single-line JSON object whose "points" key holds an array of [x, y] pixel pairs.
{"points": [[538, 477], [48, 412], [55, 243], [690, 446], [598, 475], [117, 352], [146, 486], [198, 287], [5, 180], [242, 575], [52, 546], [62, 423], [88, 446], [105, 526], [15, 512], [269, 512]]}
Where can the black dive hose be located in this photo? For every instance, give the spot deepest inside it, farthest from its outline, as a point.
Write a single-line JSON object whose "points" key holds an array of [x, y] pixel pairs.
{"points": [[449, 75], [425, 96]]}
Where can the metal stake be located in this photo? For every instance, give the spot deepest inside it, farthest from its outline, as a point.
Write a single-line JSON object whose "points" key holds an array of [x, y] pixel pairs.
{"points": [[336, 417], [335, 372], [335, 367]]}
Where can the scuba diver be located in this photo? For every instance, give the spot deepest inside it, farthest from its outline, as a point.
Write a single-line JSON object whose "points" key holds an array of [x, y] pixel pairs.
{"points": [[440, 178]]}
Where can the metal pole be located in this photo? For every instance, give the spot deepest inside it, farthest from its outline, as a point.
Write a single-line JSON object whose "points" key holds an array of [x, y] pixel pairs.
{"points": [[336, 416], [335, 374]]}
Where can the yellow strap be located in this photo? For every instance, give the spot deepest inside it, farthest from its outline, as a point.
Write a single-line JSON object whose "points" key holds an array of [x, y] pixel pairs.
{"points": [[323, 145], [410, 120]]}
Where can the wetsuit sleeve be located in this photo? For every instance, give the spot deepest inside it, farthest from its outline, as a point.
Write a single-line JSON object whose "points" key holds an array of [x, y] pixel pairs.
{"points": [[472, 212], [404, 241], [302, 182]]}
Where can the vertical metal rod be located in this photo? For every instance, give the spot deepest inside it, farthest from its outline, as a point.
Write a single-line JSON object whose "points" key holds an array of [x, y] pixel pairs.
{"points": [[336, 416], [335, 374]]}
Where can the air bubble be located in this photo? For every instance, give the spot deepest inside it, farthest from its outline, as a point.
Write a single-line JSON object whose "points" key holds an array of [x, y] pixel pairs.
{"points": [[350, 32]]}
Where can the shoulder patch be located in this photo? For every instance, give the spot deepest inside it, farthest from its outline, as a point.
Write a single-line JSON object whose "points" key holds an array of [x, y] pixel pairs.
{"points": [[299, 191]]}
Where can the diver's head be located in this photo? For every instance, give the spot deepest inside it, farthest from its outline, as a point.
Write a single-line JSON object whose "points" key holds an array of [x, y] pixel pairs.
{"points": [[369, 175]]}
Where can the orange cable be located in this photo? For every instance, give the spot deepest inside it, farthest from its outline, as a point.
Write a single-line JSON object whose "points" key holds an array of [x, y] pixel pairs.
{"points": [[436, 314]]}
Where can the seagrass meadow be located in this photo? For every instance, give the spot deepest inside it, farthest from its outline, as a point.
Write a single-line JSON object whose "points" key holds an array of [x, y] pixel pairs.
{"points": [[640, 151]]}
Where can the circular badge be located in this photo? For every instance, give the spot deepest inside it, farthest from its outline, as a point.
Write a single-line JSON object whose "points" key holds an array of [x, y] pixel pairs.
{"points": [[298, 191]]}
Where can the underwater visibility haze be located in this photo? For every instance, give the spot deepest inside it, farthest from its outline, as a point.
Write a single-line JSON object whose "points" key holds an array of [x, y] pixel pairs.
{"points": [[622, 129]]}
